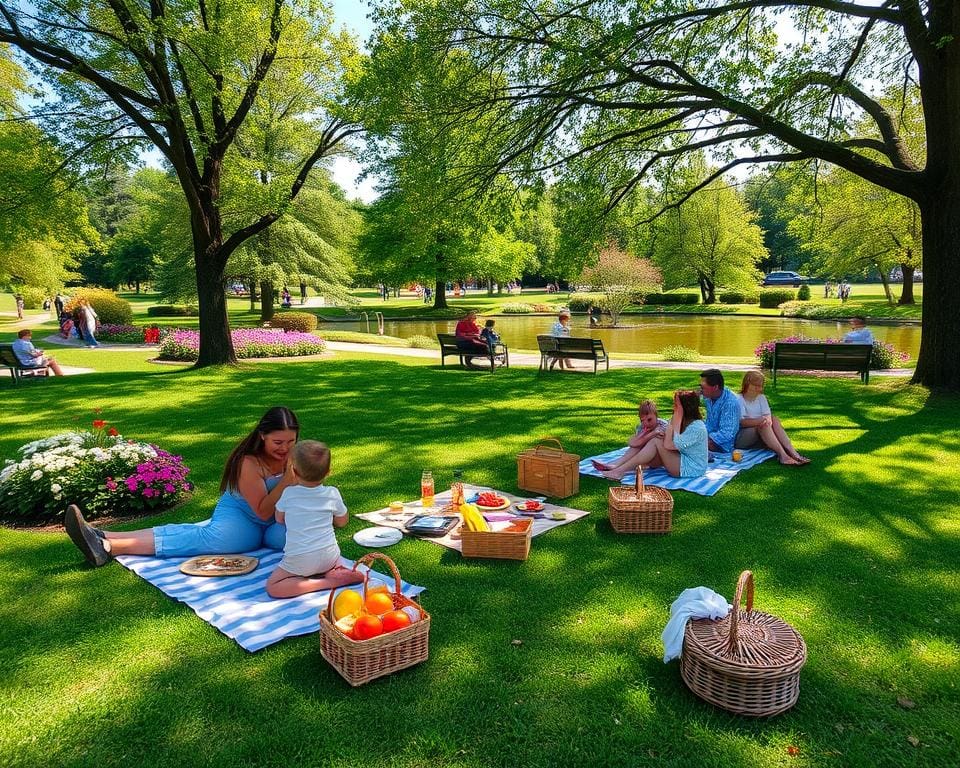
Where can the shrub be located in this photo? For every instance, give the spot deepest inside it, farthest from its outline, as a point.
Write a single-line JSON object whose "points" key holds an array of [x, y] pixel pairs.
{"points": [[121, 334], [804, 293], [774, 297], [680, 354], [172, 310], [738, 297], [362, 338], [516, 309], [32, 296], [581, 302], [303, 322], [99, 470], [422, 342], [884, 355], [542, 307], [247, 343], [110, 308], [672, 298]]}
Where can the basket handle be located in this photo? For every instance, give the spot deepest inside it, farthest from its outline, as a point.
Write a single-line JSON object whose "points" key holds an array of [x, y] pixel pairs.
{"points": [[638, 483], [745, 580], [366, 560], [540, 444]]}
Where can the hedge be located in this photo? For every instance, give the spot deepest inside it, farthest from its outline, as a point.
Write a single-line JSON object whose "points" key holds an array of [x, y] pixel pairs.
{"points": [[294, 321], [774, 297], [110, 308], [172, 310], [516, 309], [672, 298], [738, 297]]}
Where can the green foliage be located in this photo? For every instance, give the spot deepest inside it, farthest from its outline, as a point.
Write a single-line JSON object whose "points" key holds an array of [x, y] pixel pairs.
{"points": [[333, 334], [680, 354], [516, 309], [109, 307], [581, 302], [32, 297], [739, 297], [172, 310], [654, 299], [294, 321], [623, 278], [804, 293], [774, 297], [422, 342]]}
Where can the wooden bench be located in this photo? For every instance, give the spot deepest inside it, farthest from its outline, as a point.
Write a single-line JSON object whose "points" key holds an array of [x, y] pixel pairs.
{"points": [[571, 348], [816, 356], [449, 346], [18, 370]]}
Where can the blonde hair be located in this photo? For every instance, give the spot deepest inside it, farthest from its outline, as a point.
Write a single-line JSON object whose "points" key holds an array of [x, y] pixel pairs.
{"points": [[648, 406], [751, 377], [311, 459]]}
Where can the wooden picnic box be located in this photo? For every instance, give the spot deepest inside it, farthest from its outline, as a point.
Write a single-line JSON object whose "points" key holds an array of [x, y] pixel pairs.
{"points": [[501, 545], [549, 471]]}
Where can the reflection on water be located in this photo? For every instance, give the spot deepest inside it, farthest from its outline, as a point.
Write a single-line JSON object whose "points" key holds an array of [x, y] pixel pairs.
{"points": [[648, 334]]}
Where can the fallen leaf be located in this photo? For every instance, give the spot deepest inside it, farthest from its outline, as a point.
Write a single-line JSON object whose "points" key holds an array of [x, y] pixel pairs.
{"points": [[793, 751], [616, 720], [914, 741], [838, 727], [516, 642], [905, 702]]}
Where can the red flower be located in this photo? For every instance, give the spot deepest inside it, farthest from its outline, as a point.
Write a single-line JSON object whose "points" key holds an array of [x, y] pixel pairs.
{"points": [[99, 423], [112, 432]]}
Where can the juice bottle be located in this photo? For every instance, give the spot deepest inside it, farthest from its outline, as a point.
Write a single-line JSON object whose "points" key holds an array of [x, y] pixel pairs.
{"points": [[456, 489], [426, 488]]}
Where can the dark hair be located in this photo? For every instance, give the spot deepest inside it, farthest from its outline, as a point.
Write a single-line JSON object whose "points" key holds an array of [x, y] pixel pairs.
{"points": [[311, 459], [690, 402], [490, 323], [713, 376], [274, 420], [23, 332], [860, 319]]}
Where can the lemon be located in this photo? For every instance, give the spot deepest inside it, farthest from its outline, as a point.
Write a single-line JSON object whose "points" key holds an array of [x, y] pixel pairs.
{"points": [[347, 602]]}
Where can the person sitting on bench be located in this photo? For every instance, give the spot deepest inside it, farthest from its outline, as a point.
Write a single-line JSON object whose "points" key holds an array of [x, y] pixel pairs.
{"points": [[859, 333], [468, 337], [31, 357]]}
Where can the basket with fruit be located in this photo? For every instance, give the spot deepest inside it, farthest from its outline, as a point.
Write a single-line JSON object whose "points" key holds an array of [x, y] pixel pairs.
{"points": [[478, 540], [375, 632]]}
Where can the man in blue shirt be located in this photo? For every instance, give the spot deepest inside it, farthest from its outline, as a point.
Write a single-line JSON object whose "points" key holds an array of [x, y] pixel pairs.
{"points": [[860, 333], [723, 411], [31, 357]]}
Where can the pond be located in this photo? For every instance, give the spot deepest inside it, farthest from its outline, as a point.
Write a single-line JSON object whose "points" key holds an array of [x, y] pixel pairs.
{"points": [[648, 334]]}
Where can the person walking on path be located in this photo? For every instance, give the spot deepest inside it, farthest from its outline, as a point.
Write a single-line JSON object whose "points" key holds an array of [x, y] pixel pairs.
{"points": [[19, 300], [90, 319], [58, 305]]}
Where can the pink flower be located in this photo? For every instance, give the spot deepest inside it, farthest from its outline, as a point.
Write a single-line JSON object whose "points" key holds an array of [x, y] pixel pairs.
{"points": [[111, 484], [169, 488]]}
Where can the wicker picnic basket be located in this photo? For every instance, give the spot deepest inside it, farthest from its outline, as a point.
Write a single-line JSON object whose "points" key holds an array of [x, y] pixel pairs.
{"points": [[360, 661], [748, 662], [503, 545], [640, 509]]}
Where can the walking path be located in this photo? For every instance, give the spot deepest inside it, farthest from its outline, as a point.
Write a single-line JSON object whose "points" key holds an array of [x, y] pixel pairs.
{"points": [[520, 359]]}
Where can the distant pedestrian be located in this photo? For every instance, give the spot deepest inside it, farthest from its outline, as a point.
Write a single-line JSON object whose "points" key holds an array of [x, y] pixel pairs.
{"points": [[90, 320], [303, 293], [58, 304], [19, 299]]}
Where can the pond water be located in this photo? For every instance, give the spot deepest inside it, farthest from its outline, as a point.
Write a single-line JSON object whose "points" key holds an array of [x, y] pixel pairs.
{"points": [[648, 334]]}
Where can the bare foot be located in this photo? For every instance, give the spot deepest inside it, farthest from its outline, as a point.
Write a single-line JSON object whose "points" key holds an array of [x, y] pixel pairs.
{"points": [[613, 474], [789, 461], [801, 459], [600, 466], [340, 576]]}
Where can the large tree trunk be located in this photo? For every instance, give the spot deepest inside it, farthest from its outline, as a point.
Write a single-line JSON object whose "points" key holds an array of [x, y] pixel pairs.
{"points": [[906, 292], [216, 345], [440, 295], [266, 301]]}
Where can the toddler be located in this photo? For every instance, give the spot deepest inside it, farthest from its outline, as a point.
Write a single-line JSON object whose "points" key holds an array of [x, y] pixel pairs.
{"points": [[649, 427], [310, 511], [489, 335]]}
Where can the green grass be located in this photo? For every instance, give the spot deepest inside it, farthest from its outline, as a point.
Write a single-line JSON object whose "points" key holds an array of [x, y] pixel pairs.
{"points": [[858, 551]]}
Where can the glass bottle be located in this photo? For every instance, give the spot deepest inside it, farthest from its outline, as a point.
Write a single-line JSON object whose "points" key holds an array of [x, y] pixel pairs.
{"points": [[456, 489], [426, 488]]}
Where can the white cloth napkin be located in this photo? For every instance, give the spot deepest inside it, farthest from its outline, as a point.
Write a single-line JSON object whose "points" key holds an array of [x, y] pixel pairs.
{"points": [[696, 603]]}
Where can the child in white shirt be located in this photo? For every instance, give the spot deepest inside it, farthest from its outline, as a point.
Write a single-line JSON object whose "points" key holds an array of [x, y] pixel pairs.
{"points": [[310, 511]]}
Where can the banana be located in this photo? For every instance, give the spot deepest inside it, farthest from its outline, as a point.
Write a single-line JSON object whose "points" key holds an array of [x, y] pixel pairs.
{"points": [[473, 519]]}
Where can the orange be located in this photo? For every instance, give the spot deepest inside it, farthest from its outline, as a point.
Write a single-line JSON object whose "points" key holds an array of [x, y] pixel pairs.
{"points": [[379, 603], [393, 620], [347, 602], [368, 626]]}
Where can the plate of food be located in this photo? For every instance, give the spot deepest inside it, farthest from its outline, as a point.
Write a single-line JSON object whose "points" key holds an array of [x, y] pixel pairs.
{"points": [[531, 505], [219, 565], [491, 502]]}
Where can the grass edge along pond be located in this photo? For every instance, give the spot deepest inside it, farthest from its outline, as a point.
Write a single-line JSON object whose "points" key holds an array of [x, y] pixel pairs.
{"points": [[858, 551]]}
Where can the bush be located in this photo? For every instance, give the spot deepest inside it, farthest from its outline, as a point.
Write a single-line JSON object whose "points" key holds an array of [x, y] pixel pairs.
{"points": [[884, 355], [98, 470], [581, 302], [303, 322], [172, 310], [247, 343], [543, 307], [516, 309], [110, 308], [679, 354], [362, 338], [32, 296], [738, 297], [422, 342], [804, 293], [774, 297], [661, 299], [120, 334]]}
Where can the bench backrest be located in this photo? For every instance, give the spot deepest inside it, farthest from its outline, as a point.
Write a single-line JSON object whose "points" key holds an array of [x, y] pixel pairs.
{"points": [[547, 343], [8, 357], [822, 356], [447, 339], [579, 344]]}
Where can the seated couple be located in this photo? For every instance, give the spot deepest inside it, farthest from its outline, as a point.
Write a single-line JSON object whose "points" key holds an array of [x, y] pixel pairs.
{"points": [[471, 338], [741, 421]]}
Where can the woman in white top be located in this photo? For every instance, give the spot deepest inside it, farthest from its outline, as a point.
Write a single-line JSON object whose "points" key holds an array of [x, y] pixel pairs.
{"points": [[759, 426]]}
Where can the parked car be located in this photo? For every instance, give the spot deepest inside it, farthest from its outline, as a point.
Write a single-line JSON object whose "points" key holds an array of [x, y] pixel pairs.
{"points": [[785, 278]]}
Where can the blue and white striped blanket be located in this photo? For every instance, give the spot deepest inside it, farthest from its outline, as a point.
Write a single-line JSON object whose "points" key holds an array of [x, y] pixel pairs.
{"points": [[239, 606], [719, 472]]}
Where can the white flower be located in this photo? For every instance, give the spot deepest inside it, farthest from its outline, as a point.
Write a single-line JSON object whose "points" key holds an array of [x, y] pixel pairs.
{"points": [[36, 475], [56, 488]]}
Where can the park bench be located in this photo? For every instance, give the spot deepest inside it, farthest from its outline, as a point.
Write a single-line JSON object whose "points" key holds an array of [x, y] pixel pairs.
{"points": [[18, 370], [571, 348], [448, 346], [818, 356]]}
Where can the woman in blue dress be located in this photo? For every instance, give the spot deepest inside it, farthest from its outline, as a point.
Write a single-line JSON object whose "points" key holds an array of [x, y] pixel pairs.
{"points": [[253, 479]]}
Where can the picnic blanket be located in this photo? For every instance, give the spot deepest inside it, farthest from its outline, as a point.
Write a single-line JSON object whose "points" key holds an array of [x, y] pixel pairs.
{"points": [[239, 606], [719, 472], [540, 525]]}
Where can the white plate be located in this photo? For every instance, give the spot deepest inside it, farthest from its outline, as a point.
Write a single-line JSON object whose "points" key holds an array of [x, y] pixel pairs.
{"points": [[381, 536]]}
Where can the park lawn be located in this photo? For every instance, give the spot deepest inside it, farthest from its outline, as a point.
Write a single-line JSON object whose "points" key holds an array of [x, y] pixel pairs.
{"points": [[857, 550]]}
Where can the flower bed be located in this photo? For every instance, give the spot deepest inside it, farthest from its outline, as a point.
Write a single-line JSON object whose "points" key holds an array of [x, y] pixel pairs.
{"points": [[884, 355], [248, 343], [130, 334], [100, 471]]}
